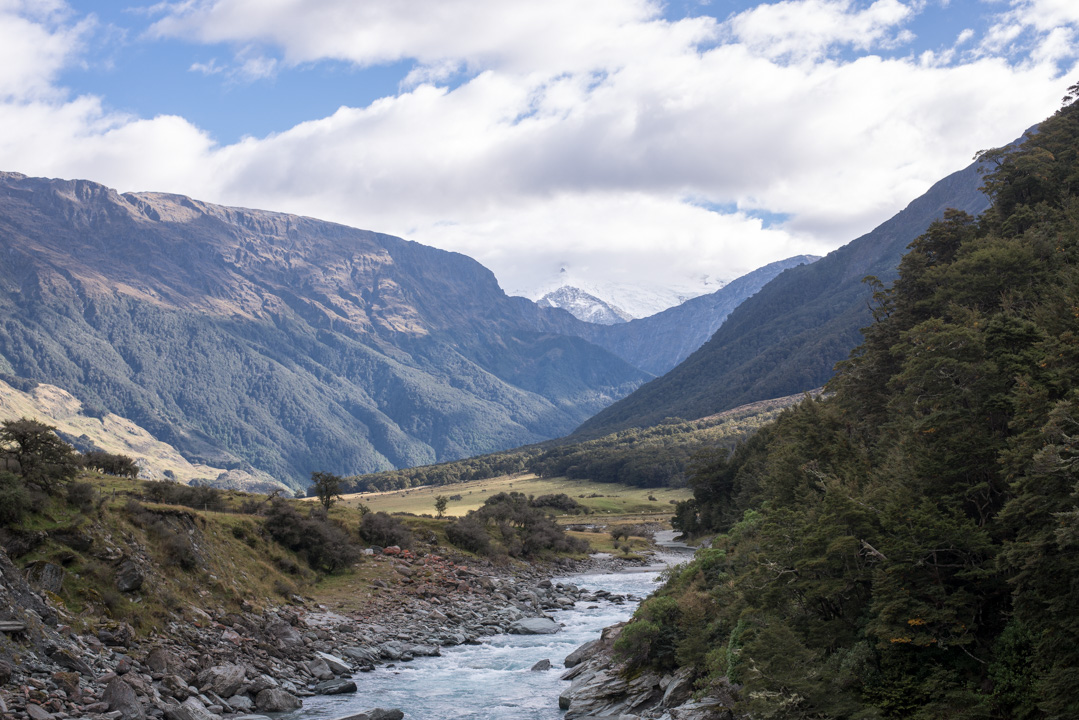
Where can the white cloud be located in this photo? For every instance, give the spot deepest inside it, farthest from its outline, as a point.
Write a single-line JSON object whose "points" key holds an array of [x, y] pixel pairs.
{"points": [[578, 133], [807, 29], [35, 45]]}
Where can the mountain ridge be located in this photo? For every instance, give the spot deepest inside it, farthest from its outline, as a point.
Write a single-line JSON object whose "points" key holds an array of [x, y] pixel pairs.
{"points": [[246, 336], [787, 337]]}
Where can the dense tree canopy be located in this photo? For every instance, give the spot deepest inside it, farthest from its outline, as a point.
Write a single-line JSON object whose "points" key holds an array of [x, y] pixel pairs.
{"points": [[909, 545]]}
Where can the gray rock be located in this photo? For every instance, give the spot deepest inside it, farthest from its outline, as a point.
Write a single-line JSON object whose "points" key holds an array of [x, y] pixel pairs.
{"points": [[276, 700], [337, 665], [36, 712], [704, 709], [196, 710], [541, 666], [583, 653], [225, 680], [46, 576], [534, 626], [362, 654], [319, 669], [376, 714], [129, 577], [340, 686], [67, 659], [120, 697], [241, 703], [160, 660]]}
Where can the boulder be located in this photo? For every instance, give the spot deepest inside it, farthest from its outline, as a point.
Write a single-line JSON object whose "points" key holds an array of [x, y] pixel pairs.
{"points": [[340, 686], [196, 710], [534, 626], [276, 700], [336, 664], [129, 577], [69, 660], [542, 666], [36, 712], [46, 576], [583, 653], [376, 714], [241, 703], [319, 669], [121, 698], [225, 680], [160, 660]]}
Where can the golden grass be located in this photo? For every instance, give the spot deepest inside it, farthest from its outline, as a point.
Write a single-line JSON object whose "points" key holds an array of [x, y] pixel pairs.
{"points": [[611, 500]]}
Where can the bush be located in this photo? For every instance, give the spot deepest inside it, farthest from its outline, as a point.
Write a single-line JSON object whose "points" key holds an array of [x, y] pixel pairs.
{"points": [[562, 502], [378, 528], [324, 544], [469, 533], [198, 498], [110, 464], [14, 499], [82, 496]]}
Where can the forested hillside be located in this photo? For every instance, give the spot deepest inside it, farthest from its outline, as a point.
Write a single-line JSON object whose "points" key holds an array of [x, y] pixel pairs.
{"points": [[654, 457], [908, 547], [788, 337], [246, 338]]}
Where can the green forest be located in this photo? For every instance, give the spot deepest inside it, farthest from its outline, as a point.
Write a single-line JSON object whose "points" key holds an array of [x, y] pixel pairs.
{"points": [[643, 457], [907, 546]]}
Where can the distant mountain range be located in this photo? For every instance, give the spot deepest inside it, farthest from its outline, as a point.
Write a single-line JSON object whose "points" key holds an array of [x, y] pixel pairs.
{"points": [[243, 337], [788, 337], [263, 345]]}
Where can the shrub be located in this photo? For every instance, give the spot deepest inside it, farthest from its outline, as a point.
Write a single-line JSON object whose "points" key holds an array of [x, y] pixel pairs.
{"points": [[323, 543], [82, 496], [469, 533], [14, 499], [378, 528], [110, 463]]}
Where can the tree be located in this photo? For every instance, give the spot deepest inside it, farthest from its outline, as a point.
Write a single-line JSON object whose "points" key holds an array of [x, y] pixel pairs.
{"points": [[33, 450], [327, 488], [441, 502]]}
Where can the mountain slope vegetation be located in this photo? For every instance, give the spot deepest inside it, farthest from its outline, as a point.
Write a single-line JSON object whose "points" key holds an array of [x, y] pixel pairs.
{"points": [[908, 546], [287, 344], [788, 337]]}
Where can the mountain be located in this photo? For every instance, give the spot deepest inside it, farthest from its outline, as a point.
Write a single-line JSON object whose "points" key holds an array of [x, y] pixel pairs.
{"points": [[638, 300], [246, 338], [584, 306], [659, 342], [788, 337]]}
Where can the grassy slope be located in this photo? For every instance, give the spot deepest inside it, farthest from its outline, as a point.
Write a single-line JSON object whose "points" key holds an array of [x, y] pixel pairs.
{"points": [[614, 499]]}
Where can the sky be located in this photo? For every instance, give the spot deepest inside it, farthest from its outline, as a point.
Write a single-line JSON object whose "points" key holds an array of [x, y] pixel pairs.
{"points": [[632, 142]]}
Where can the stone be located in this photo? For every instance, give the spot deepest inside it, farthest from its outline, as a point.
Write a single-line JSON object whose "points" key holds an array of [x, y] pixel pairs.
{"points": [[583, 653], [542, 666], [534, 626], [336, 664], [67, 659], [241, 703], [224, 680], [160, 660], [36, 712], [276, 700], [121, 698], [196, 710], [46, 576], [340, 686], [175, 686], [129, 577], [376, 714], [319, 669]]}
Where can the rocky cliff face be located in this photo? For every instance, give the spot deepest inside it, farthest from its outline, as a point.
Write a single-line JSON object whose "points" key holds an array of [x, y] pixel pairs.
{"points": [[251, 338]]}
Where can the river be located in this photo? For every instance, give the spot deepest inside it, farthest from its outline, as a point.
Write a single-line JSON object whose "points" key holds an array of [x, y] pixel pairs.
{"points": [[493, 680]]}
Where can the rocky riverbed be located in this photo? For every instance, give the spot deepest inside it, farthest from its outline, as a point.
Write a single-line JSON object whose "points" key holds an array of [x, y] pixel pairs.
{"points": [[221, 665]]}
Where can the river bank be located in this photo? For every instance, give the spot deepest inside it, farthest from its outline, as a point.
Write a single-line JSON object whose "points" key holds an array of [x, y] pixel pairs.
{"points": [[219, 664]]}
